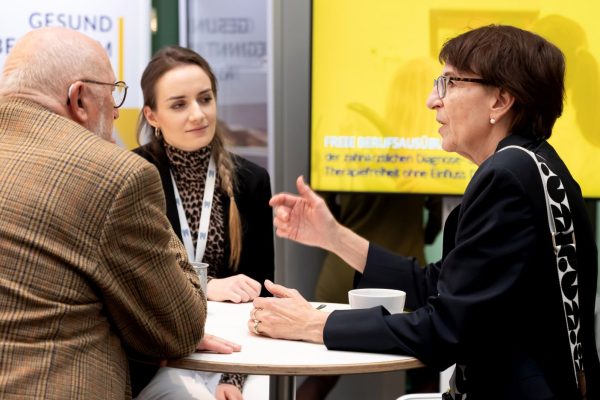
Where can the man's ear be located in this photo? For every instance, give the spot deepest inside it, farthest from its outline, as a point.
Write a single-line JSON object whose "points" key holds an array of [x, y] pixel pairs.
{"points": [[76, 104], [150, 116]]}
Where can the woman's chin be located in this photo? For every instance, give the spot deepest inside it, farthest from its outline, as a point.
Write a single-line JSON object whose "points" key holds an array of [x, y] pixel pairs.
{"points": [[447, 145]]}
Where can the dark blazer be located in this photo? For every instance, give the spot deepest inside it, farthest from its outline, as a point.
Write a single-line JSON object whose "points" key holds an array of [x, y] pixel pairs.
{"points": [[252, 196], [493, 302]]}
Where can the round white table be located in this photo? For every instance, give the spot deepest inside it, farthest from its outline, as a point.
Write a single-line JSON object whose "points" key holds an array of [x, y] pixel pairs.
{"points": [[282, 359]]}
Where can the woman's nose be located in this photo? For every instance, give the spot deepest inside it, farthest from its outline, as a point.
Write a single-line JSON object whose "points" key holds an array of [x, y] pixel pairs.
{"points": [[197, 112], [433, 101]]}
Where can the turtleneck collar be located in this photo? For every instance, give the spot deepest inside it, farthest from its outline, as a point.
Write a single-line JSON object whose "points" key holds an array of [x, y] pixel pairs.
{"points": [[192, 161]]}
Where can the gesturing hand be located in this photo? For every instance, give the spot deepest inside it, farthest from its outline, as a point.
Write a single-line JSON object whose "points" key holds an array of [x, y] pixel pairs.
{"points": [[304, 218]]}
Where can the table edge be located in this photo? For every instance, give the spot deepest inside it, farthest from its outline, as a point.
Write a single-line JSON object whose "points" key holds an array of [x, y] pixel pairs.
{"points": [[326, 369]]}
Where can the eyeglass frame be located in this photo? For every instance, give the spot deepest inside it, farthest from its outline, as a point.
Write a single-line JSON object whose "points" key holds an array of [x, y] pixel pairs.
{"points": [[115, 85], [446, 79]]}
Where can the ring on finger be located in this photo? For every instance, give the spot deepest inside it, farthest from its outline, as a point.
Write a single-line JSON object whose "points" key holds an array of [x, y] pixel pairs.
{"points": [[256, 324], [253, 314]]}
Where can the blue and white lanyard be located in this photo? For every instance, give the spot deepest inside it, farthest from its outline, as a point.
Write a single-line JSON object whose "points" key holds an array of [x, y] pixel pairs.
{"points": [[205, 210]]}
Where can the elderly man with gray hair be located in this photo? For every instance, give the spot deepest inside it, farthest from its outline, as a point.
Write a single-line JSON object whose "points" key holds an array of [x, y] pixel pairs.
{"points": [[88, 261]]}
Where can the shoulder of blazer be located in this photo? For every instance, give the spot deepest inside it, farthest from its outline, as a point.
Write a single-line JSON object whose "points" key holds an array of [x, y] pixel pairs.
{"points": [[250, 175], [158, 159]]}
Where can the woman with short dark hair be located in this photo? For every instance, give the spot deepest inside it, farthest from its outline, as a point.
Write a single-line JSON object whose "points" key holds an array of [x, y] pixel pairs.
{"points": [[512, 300]]}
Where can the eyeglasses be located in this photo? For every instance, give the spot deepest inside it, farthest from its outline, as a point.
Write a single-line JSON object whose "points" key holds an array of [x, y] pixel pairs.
{"points": [[118, 93], [441, 83]]}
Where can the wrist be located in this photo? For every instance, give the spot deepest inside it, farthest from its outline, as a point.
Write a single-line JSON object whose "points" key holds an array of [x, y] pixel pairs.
{"points": [[210, 288], [350, 247], [315, 327], [334, 242]]}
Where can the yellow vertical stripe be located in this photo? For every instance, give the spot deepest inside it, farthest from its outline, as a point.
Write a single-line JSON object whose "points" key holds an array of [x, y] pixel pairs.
{"points": [[121, 49]]}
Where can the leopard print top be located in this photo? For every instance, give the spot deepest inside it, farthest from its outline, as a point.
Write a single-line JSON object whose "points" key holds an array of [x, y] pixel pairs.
{"points": [[189, 170]]}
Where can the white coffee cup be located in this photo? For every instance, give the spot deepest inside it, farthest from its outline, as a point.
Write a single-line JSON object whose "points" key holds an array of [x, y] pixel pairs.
{"points": [[202, 272], [392, 300]]}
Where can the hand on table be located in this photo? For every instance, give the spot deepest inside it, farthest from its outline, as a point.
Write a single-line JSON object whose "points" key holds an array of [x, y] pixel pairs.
{"points": [[212, 343], [286, 316], [225, 391], [303, 218], [237, 289], [217, 345]]}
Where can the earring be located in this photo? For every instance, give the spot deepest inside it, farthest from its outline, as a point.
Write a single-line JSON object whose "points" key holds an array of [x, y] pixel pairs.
{"points": [[492, 121], [156, 131]]}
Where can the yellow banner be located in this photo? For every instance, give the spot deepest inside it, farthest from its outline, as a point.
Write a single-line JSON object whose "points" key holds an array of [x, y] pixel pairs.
{"points": [[373, 68]]}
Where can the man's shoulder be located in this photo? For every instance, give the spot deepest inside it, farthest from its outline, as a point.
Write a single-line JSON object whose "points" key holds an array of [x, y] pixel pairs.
{"points": [[26, 115], [61, 141]]}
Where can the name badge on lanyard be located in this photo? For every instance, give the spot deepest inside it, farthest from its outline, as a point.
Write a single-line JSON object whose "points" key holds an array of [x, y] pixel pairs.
{"points": [[205, 210]]}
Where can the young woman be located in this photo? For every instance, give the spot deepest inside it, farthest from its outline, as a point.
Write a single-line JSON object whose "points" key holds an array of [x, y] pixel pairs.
{"points": [[217, 202]]}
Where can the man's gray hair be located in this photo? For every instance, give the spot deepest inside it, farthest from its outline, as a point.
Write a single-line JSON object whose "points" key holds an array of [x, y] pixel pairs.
{"points": [[54, 59]]}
